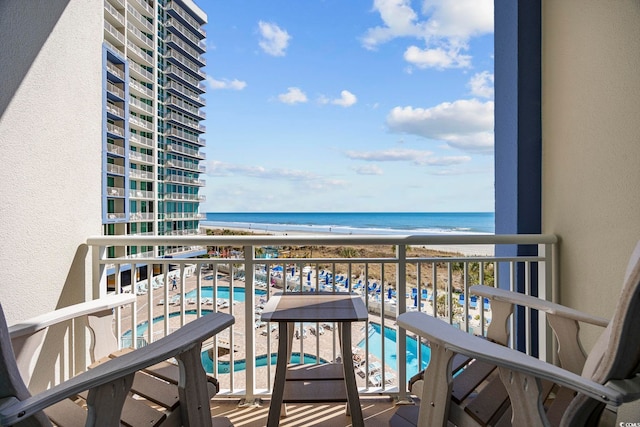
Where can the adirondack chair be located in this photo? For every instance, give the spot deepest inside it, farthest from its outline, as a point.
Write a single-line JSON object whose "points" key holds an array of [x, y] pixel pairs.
{"points": [[112, 382], [581, 391]]}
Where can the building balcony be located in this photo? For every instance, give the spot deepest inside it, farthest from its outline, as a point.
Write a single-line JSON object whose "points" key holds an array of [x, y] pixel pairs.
{"points": [[115, 112], [140, 158], [140, 20], [185, 151], [141, 194], [140, 36], [140, 106], [184, 216], [185, 121], [190, 232], [115, 192], [141, 175], [115, 149], [142, 7], [185, 136], [140, 72], [177, 103], [117, 131], [136, 139], [177, 179], [114, 92], [187, 64], [178, 44], [117, 49], [115, 169], [141, 123], [175, 27], [112, 34], [141, 216], [137, 54], [175, 73], [188, 166], [240, 356], [174, 10], [181, 90], [115, 73], [142, 91], [184, 197], [113, 15]]}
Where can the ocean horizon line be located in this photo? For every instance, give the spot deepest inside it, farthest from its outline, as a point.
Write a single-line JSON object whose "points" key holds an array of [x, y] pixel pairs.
{"points": [[405, 223]]}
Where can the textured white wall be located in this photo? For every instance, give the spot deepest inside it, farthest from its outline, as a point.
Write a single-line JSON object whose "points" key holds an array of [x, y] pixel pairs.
{"points": [[591, 140], [50, 150]]}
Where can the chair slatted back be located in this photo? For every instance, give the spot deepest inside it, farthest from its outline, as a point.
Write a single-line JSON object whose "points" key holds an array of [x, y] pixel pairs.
{"points": [[11, 383], [616, 354]]}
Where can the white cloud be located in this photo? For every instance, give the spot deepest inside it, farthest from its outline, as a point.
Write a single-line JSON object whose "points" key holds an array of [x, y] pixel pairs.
{"points": [[234, 84], [347, 99], [306, 179], [444, 26], [399, 21], [418, 157], [293, 96], [481, 85], [274, 40], [392, 155], [447, 160], [368, 170], [438, 58], [463, 124]]}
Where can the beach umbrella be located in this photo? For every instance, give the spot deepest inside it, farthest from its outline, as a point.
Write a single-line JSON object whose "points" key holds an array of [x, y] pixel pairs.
{"points": [[389, 292], [415, 299]]}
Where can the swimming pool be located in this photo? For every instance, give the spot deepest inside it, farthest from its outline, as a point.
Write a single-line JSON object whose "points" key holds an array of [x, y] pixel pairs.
{"points": [[223, 293], [144, 326], [241, 365], [390, 359]]}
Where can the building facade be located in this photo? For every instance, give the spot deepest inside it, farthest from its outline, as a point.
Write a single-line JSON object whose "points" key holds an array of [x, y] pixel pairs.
{"points": [[152, 132]]}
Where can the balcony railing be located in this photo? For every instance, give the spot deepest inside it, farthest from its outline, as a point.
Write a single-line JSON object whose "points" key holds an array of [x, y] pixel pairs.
{"points": [[385, 277]]}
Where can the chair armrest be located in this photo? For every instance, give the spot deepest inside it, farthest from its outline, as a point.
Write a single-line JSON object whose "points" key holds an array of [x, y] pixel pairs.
{"points": [[180, 341], [441, 333], [43, 321], [537, 303]]}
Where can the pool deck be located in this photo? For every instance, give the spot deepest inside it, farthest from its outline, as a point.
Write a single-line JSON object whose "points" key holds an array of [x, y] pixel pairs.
{"points": [[266, 336]]}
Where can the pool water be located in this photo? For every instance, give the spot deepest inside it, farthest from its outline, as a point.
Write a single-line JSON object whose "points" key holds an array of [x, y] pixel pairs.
{"points": [[376, 341], [144, 326], [241, 365], [223, 293]]}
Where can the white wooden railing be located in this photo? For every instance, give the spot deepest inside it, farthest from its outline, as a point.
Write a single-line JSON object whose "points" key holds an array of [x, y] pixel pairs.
{"points": [[240, 358]]}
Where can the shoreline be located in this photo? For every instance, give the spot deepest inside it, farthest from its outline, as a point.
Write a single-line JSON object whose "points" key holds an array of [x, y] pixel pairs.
{"points": [[466, 250]]}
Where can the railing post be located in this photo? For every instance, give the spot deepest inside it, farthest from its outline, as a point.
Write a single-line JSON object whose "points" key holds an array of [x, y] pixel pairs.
{"points": [[98, 272], [546, 291], [249, 329], [401, 307]]}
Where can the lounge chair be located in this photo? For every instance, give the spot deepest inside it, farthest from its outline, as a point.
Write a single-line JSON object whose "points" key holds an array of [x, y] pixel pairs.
{"points": [[107, 388], [582, 391]]}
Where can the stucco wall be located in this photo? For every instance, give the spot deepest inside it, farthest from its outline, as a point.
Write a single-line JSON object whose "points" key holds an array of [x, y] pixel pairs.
{"points": [[591, 145], [50, 150]]}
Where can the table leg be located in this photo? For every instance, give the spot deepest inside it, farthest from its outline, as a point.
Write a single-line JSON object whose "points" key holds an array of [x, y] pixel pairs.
{"points": [[350, 377], [281, 373]]}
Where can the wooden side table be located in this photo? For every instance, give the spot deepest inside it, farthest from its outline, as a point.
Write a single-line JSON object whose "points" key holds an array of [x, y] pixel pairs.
{"points": [[332, 382]]}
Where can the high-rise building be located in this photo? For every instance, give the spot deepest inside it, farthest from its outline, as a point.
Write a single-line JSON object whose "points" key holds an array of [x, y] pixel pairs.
{"points": [[153, 86]]}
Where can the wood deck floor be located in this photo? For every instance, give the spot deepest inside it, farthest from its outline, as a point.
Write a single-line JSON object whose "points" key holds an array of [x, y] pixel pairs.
{"points": [[376, 412]]}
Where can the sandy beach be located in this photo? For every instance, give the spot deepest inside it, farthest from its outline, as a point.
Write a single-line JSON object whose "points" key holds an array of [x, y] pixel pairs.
{"points": [[466, 250]]}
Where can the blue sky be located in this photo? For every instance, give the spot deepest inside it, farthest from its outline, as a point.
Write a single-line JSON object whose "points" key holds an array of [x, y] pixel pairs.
{"points": [[349, 106]]}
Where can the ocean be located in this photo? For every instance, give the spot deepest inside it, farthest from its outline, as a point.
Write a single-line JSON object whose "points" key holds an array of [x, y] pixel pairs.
{"points": [[399, 223]]}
